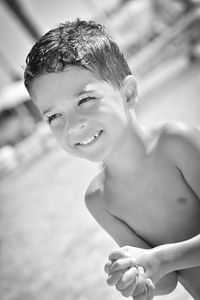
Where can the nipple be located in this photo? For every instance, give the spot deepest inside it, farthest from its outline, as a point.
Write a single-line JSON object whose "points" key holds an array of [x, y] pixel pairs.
{"points": [[182, 201]]}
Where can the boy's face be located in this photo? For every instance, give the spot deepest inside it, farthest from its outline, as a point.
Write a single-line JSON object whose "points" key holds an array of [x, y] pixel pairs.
{"points": [[88, 117]]}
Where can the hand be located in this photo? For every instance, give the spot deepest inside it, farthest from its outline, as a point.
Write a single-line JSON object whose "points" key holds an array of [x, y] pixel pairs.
{"points": [[130, 281], [148, 293], [132, 256]]}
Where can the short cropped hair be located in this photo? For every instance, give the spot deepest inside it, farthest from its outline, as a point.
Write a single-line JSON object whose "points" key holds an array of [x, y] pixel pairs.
{"points": [[79, 43]]}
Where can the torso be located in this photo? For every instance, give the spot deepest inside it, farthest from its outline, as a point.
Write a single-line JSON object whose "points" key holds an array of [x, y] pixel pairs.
{"points": [[159, 205]]}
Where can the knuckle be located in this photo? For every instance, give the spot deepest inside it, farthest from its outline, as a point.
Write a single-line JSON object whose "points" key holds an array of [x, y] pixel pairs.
{"points": [[108, 263], [109, 281], [150, 285], [126, 250], [120, 285], [125, 293], [111, 253], [117, 287], [133, 262], [116, 264]]}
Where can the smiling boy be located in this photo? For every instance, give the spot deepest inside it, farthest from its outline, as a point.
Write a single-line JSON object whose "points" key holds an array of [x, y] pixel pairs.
{"points": [[148, 194]]}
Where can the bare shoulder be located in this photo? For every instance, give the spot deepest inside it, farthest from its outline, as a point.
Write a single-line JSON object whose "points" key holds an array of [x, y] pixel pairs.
{"points": [[178, 129], [181, 144], [178, 137]]}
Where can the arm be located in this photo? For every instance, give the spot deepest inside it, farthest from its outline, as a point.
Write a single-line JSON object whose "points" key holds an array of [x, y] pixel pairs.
{"points": [[124, 235], [182, 144], [180, 255]]}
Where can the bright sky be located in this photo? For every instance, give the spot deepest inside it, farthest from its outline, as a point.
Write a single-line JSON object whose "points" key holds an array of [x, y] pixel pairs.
{"points": [[15, 41]]}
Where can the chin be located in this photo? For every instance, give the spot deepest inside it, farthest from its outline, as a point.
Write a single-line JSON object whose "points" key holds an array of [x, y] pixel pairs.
{"points": [[92, 158], [95, 156]]}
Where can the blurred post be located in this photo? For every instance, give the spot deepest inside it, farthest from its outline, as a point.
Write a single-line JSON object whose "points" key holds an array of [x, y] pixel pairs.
{"points": [[21, 14], [7, 67]]}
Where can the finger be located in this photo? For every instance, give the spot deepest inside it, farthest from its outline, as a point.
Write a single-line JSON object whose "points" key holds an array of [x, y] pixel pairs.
{"points": [[129, 290], [117, 254], [142, 296], [140, 270], [114, 277], [107, 266], [150, 289], [122, 263], [141, 285], [148, 294], [128, 278]]}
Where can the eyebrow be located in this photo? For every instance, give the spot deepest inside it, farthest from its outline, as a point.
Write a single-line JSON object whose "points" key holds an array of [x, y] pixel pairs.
{"points": [[85, 90], [47, 110]]}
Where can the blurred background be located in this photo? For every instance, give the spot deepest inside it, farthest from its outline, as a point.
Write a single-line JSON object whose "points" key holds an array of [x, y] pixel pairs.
{"points": [[50, 247]]}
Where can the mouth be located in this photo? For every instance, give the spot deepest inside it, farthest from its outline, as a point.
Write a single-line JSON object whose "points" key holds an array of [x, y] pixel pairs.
{"points": [[90, 140]]}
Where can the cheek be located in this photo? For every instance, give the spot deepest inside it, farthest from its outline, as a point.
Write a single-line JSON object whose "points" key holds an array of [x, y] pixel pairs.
{"points": [[63, 143], [114, 116], [114, 108], [58, 131], [58, 127]]}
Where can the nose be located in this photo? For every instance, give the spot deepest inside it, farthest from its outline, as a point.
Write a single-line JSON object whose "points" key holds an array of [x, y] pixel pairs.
{"points": [[76, 124]]}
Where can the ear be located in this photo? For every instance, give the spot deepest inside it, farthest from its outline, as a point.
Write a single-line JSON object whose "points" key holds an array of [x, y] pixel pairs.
{"points": [[129, 90]]}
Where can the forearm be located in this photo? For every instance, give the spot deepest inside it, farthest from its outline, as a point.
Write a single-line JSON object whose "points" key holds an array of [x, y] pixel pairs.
{"points": [[180, 255]]}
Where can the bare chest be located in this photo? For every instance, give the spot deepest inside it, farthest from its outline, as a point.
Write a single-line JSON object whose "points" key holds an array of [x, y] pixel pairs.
{"points": [[159, 206]]}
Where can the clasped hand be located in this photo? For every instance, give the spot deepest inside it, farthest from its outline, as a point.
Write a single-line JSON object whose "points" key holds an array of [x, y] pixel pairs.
{"points": [[133, 271]]}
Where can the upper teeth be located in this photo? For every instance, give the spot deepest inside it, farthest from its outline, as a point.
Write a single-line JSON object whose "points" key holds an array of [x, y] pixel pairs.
{"points": [[89, 140]]}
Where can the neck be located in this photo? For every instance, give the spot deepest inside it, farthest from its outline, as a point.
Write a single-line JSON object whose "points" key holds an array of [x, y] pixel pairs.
{"points": [[130, 154]]}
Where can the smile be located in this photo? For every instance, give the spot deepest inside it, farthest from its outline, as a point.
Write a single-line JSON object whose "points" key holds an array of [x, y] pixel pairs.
{"points": [[91, 140]]}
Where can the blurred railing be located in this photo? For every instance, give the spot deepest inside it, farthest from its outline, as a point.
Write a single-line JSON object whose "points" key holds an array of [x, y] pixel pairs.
{"points": [[172, 41]]}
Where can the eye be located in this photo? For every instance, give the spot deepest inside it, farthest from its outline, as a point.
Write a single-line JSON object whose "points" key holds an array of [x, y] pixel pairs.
{"points": [[52, 117], [84, 100]]}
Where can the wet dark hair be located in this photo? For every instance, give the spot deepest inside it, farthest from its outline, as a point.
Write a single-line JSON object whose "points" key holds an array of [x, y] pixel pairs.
{"points": [[79, 43]]}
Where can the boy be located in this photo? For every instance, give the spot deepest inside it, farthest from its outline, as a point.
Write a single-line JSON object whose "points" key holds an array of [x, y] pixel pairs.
{"points": [[147, 195]]}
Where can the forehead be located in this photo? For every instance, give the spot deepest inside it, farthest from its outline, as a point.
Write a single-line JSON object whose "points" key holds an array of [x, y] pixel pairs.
{"points": [[50, 88]]}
